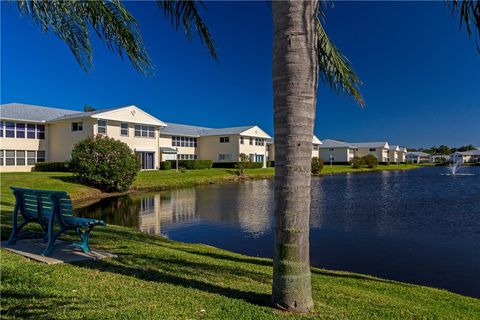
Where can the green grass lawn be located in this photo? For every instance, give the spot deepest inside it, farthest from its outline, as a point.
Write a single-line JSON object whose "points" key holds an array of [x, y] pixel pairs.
{"points": [[157, 278], [340, 168]]}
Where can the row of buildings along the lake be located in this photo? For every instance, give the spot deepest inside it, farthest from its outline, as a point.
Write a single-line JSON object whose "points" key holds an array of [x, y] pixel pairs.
{"points": [[30, 134]]}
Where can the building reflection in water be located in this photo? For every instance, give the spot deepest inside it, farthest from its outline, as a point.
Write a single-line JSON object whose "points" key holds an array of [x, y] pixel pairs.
{"points": [[173, 207]]}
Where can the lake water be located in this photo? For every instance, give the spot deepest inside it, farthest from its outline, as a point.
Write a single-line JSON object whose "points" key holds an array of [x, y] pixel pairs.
{"points": [[419, 226]]}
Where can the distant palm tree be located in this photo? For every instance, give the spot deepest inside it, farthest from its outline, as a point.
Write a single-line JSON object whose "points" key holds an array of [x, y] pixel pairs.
{"points": [[301, 53]]}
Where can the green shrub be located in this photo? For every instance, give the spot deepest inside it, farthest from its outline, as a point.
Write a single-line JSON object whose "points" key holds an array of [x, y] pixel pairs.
{"points": [[357, 162], [182, 169], [233, 165], [370, 160], [105, 163], [165, 165], [52, 166], [317, 165], [191, 164], [270, 164]]}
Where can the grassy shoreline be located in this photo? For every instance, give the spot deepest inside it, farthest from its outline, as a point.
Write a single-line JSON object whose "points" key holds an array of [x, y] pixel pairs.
{"points": [[154, 277]]}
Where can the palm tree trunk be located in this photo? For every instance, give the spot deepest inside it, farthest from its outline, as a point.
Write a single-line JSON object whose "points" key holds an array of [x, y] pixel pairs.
{"points": [[295, 78]]}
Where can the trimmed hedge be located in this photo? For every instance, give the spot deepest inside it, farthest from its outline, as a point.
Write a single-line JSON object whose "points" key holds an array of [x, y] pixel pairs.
{"points": [[191, 164], [52, 166], [165, 165], [234, 165]]}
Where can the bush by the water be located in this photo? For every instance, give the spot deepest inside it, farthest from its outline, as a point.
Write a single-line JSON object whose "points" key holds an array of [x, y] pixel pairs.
{"points": [[52, 166], [357, 162], [233, 165], [191, 164], [370, 160], [317, 165], [104, 163], [165, 165]]}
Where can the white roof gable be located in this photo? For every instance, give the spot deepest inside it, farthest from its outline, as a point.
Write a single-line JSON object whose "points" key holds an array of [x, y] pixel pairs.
{"points": [[129, 114], [255, 131]]}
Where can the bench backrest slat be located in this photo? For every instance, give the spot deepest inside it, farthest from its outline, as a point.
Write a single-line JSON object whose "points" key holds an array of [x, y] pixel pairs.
{"points": [[33, 199]]}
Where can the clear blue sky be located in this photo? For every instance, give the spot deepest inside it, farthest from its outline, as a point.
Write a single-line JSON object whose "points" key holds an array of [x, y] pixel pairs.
{"points": [[421, 74]]}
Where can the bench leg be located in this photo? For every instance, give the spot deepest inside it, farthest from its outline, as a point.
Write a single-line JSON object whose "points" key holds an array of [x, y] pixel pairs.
{"points": [[84, 235], [51, 236], [15, 229]]}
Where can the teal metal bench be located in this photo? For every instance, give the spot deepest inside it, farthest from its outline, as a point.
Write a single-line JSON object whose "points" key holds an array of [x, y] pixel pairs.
{"points": [[49, 208]]}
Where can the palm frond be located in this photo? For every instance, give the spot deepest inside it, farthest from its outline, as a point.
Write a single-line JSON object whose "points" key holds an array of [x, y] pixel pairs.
{"points": [[186, 14], [70, 21], [469, 14], [334, 67]]}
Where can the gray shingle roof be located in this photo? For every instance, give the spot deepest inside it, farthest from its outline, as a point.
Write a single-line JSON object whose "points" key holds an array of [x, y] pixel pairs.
{"points": [[330, 143], [370, 144], [28, 112], [418, 153], [84, 114], [225, 131], [195, 131], [182, 129]]}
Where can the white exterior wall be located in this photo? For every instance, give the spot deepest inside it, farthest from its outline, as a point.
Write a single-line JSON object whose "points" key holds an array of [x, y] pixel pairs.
{"points": [[340, 154], [62, 138], [380, 153], [393, 156], [248, 149], [210, 148], [138, 144]]}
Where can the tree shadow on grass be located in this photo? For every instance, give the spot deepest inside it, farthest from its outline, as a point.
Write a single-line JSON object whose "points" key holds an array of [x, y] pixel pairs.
{"points": [[257, 261], [155, 275], [32, 305]]}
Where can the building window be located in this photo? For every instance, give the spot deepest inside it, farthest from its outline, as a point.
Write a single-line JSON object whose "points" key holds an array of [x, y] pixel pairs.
{"points": [[20, 130], [251, 157], [251, 141], [315, 147], [224, 139], [259, 142], [1, 157], [184, 142], [259, 158], [31, 131], [223, 157], [331, 149], [10, 157], [241, 140], [372, 149], [1, 129], [144, 131], [10, 129], [40, 156], [151, 132], [124, 129], [77, 126], [20, 158], [187, 157], [102, 126], [31, 159], [40, 131]]}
